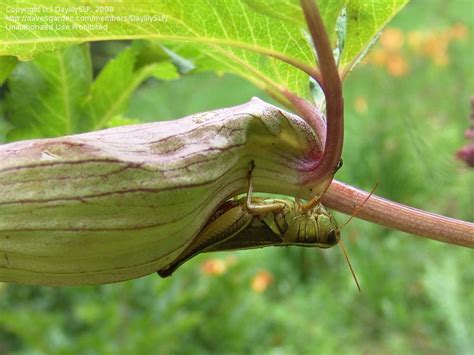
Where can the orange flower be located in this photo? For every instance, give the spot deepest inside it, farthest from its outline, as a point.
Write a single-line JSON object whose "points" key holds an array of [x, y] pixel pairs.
{"points": [[392, 39], [388, 56], [397, 65], [436, 47], [458, 31], [431, 44], [214, 267], [377, 57], [261, 281]]}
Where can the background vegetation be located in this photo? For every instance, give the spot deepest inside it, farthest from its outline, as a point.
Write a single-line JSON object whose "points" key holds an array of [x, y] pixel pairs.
{"points": [[406, 110]]}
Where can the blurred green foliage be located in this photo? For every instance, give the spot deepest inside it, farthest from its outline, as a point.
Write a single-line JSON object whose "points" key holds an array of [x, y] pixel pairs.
{"points": [[403, 125]]}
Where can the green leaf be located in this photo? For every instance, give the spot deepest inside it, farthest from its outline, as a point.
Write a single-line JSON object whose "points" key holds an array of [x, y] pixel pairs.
{"points": [[111, 91], [289, 11], [243, 37], [45, 95], [7, 64], [162, 71], [227, 31], [330, 11], [365, 20], [284, 10]]}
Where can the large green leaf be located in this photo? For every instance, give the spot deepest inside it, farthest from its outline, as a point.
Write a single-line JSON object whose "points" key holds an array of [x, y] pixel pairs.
{"points": [[228, 31], [289, 11], [239, 36], [45, 95]]}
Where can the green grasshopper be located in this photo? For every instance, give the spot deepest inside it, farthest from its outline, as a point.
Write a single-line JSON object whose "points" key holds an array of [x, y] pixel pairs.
{"points": [[255, 222]]}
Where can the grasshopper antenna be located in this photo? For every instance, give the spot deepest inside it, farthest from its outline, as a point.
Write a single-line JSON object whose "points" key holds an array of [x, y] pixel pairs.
{"points": [[358, 208], [349, 263], [344, 252]]}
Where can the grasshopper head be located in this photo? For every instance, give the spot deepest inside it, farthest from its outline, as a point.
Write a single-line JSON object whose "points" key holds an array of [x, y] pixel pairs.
{"points": [[329, 233], [333, 237], [315, 227]]}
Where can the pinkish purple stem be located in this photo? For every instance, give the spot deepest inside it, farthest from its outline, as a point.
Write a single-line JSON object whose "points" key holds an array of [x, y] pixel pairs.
{"points": [[345, 198], [331, 85]]}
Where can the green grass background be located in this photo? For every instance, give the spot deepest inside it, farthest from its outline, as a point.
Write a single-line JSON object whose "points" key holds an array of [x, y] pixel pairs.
{"points": [[417, 295]]}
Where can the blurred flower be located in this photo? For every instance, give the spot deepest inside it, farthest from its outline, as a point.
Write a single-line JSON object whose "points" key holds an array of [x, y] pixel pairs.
{"points": [[435, 44], [432, 44], [397, 65], [458, 31], [377, 57], [214, 267], [261, 281], [466, 153], [389, 56], [392, 39], [360, 104], [469, 134], [436, 48]]}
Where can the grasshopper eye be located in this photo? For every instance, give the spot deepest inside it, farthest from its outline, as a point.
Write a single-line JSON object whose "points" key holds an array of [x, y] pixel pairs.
{"points": [[333, 237]]}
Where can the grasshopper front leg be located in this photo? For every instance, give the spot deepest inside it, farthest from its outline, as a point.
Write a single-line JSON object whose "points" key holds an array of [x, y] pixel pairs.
{"points": [[259, 209]]}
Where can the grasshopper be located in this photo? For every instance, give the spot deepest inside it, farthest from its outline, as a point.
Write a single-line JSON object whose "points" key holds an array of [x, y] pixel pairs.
{"points": [[255, 222]]}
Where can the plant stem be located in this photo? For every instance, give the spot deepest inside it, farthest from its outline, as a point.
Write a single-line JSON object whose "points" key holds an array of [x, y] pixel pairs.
{"points": [[345, 198], [311, 114], [332, 91]]}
